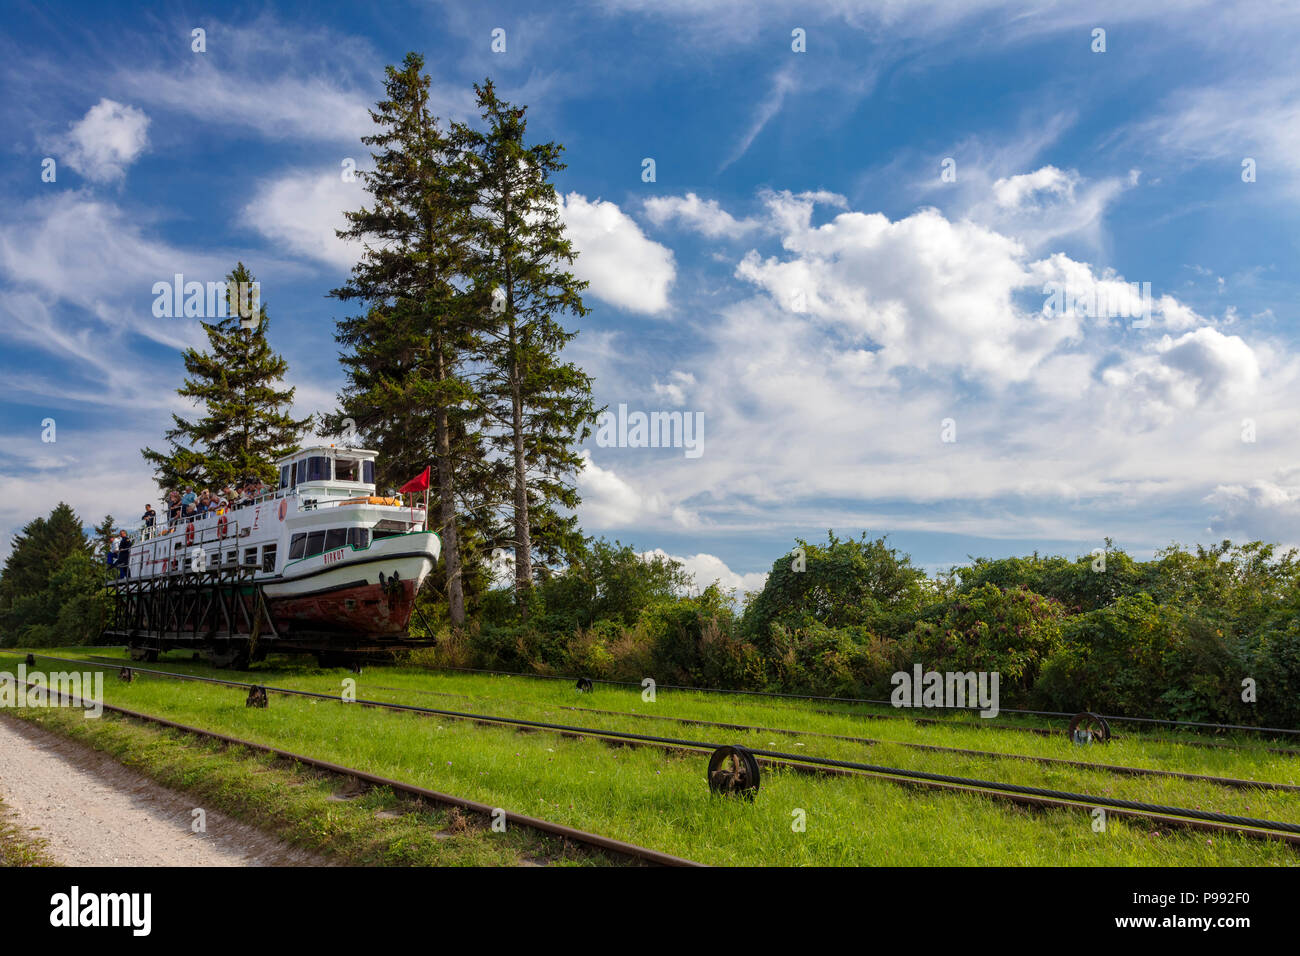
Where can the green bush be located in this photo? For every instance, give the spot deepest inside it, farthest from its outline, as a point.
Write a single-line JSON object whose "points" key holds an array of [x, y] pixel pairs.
{"points": [[843, 583], [676, 630], [1274, 664], [1114, 659], [988, 629]]}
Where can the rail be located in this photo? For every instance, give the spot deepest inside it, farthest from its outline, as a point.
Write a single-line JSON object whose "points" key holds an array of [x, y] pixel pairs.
{"points": [[1185, 817], [608, 844]]}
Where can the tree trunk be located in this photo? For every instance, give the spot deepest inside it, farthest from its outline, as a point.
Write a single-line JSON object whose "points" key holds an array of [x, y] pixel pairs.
{"points": [[523, 539], [447, 503]]}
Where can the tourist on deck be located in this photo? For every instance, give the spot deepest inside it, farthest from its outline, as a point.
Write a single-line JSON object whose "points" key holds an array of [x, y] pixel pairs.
{"points": [[123, 555], [149, 517], [173, 506]]}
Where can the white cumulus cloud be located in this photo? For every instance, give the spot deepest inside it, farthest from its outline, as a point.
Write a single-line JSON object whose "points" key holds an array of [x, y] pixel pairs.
{"points": [[106, 140], [625, 269], [301, 209]]}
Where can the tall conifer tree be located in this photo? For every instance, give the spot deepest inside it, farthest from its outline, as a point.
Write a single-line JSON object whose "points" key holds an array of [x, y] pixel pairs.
{"points": [[406, 391], [540, 407], [245, 424]]}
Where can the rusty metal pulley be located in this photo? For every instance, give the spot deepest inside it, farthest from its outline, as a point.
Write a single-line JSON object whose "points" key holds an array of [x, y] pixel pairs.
{"points": [[733, 771], [1088, 728]]}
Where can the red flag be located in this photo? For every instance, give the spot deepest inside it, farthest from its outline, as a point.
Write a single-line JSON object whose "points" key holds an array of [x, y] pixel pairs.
{"points": [[419, 483]]}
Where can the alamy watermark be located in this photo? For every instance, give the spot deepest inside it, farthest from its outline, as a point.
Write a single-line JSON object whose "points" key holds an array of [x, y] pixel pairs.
{"points": [[133, 911], [950, 690], [56, 689], [626, 429], [1127, 300], [179, 299]]}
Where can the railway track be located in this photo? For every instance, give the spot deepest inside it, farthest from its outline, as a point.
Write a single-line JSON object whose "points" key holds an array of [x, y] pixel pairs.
{"points": [[595, 840], [1234, 782], [925, 721], [1160, 815], [1112, 718]]}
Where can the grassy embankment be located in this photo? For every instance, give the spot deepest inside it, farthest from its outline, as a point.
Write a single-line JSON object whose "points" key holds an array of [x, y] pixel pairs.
{"points": [[646, 796]]}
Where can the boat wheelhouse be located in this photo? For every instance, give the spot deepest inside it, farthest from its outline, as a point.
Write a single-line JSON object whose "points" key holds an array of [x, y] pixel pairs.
{"points": [[327, 555]]}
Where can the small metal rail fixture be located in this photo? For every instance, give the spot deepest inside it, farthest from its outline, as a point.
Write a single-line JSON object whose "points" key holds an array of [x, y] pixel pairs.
{"points": [[256, 697], [1087, 728], [584, 685], [733, 771]]}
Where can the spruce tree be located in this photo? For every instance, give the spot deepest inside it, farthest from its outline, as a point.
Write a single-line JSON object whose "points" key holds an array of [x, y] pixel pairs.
{"points": [[103, 535], [404, 360], [540, 408], [37, 551], [245, 423]]}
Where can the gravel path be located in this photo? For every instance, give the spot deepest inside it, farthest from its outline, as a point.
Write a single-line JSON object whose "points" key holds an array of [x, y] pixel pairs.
{"points": [[92, 811]]}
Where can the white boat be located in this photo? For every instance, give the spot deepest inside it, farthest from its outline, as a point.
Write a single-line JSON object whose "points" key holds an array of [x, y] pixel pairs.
{"points": [[327, 555]]}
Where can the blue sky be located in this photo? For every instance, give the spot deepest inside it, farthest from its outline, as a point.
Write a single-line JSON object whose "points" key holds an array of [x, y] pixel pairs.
{"points": [[800, 272]]}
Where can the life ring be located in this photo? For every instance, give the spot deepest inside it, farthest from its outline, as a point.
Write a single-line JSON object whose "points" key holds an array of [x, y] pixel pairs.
{"points": [[284, 507], [189, 533], [222, 524]]}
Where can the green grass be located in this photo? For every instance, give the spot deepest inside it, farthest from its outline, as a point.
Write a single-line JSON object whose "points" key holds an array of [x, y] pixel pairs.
{"points": [[19, 847], [660, 800], [315, 811]]}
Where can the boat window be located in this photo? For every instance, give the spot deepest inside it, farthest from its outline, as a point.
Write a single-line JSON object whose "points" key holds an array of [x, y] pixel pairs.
{"points": [[387, 533], [250, 557], [359, 538], [298, 546], [285, 476], [268, 558], [346, 469], [314, 542], [336, 538], [230, 557], [318, 469], [368, 472]]}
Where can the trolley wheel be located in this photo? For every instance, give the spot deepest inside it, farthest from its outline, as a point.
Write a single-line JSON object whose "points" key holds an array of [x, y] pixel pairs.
{"points": [[733, 771], [584, 685], [1087, 727]]}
